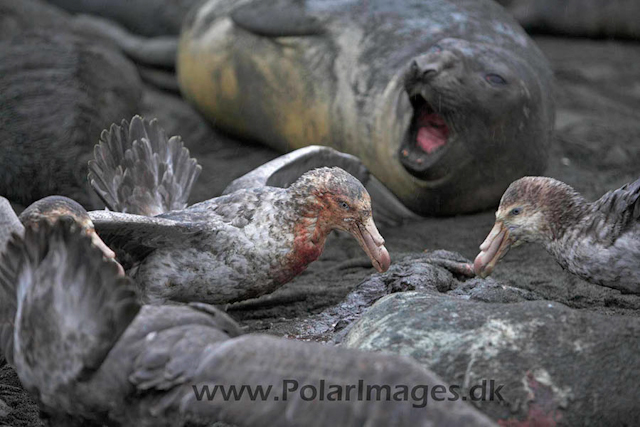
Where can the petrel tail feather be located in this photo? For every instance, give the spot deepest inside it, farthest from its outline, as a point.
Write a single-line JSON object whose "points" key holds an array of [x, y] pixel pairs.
{"points": [[137, 169]]}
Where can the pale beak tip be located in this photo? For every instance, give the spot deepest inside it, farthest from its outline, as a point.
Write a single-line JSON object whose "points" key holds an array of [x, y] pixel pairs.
{"points": [[384, 260], [479, 266]]}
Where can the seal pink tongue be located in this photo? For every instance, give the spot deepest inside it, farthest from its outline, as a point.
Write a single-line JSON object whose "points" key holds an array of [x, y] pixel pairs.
{"points": [[432, 132]]}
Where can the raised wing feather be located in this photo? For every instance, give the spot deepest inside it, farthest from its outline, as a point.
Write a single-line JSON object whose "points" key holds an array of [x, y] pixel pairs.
{"points": [[136, 169], [618, 210]]}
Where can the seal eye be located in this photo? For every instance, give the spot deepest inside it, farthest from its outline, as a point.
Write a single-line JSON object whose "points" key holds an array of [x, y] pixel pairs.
{"points": [[515, 211], [495, 79], [344, 205]]}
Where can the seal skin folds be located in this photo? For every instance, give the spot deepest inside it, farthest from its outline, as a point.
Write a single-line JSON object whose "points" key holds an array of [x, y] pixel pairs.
{"points": [[445, 101]]}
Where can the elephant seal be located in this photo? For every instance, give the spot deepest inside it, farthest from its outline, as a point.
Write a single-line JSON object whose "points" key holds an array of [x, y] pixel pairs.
{"points": [[58, 89], [445, 101]]}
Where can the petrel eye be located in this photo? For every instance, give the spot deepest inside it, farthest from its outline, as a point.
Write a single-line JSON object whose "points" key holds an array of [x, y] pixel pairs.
{"points": [[495, 79], [344, 205], [516, 211]]}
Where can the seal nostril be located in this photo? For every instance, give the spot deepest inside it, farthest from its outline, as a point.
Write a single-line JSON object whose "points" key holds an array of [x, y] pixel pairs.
{"points": [[430, 73]]}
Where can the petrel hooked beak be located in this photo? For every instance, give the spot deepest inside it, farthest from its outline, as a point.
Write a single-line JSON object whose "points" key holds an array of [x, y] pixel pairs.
{"points": [[106, 250], [494, 247], [372, 243]]}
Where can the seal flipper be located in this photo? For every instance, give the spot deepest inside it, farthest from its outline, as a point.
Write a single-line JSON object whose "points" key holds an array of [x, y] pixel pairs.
{"points": [[277, 20], [284, 170], [69, 307], [136, 169], [155, 51]]}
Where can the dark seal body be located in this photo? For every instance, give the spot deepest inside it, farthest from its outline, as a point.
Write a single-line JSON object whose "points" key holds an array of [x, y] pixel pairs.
{"points": [[59, 87], [410, 87], [145, 17]]}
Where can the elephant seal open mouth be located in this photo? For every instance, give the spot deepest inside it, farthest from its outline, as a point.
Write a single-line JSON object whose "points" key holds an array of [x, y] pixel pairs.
{"points": [[446, 102], [469, 103]]}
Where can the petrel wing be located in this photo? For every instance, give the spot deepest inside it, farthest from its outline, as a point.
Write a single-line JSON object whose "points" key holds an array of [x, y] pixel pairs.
{"points": [[619, 209], [133, 237], [70, 306], [137, 169]]}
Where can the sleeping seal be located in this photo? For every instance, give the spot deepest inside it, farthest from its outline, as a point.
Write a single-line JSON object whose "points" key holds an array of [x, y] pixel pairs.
{"points": [[445, 101], [59, 87]]}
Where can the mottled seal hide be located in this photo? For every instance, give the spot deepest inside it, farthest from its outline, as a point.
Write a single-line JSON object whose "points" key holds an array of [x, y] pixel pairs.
{"points": [[445, 101], [58, 90]]}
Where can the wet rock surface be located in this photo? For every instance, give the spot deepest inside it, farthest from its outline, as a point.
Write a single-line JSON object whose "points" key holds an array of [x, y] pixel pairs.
{"points": [[557, 365]]}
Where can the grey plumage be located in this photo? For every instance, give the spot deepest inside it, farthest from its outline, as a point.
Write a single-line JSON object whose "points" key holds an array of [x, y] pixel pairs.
{"points": [[9, 222], [137, 169], [286, 169], [138, 365], [58, 305], [599, 241], [603, 245], [620, 209], [237, 246]]}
